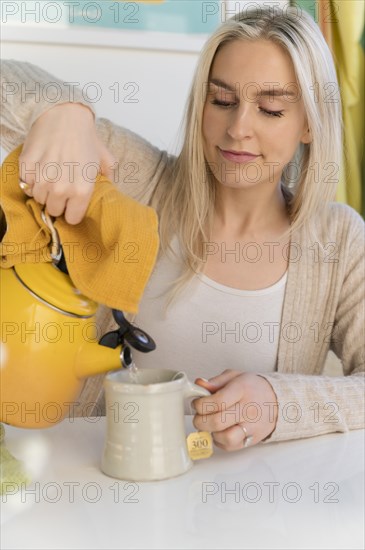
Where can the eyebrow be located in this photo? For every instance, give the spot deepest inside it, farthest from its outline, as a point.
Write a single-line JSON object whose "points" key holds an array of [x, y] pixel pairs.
{"points": [[276, 92]]}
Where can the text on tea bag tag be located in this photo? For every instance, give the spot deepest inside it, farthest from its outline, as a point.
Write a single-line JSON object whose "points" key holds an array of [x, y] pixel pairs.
{"points": [[200, 445]]}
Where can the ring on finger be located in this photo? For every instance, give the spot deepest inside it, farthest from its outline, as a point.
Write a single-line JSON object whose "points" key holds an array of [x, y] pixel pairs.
{"points": [[248, 438], [25, 186]]}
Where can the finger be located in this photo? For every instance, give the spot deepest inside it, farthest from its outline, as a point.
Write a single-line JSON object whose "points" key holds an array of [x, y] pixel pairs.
{"points": [[217, 382], [56, 204], [224, 396], [40, 193], [226, 448], [207, 384], [28, 192], [204, 383], [219, 445], [28, 169], [108, 165], [230, 439], [76, 209], [214, 419], [226, 376], [29, 173]]}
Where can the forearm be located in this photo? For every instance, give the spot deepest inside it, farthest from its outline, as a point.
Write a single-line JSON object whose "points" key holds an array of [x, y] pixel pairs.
{"points": [[139, 165], [27, 91], [315, 405]]}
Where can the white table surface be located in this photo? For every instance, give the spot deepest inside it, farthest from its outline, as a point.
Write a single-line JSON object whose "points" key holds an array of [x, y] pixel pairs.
{"points": [[72, 504]]}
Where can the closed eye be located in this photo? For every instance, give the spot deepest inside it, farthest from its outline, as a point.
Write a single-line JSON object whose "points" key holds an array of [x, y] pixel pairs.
{"points": [[222, 103], [226, 104], [271, 113]]}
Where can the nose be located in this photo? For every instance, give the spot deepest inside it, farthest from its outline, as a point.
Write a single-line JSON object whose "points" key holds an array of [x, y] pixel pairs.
{"points": [[241, 123]]}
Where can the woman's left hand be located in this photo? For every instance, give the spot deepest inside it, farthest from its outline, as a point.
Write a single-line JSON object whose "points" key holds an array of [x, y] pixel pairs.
{"points": [[242, 408]]}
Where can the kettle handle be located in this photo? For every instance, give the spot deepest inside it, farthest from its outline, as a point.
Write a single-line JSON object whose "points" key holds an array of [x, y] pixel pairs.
{"points": [[56, 250], [136, 337]]}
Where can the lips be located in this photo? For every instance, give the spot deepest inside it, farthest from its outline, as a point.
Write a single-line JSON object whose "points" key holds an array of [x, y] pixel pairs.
{"points": [[237, 156]]}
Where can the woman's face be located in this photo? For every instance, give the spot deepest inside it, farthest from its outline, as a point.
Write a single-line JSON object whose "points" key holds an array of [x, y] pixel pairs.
{"points": [[253, 105]]}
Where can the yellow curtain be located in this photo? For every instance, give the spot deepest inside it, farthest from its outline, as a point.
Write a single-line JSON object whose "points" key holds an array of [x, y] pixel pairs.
{"points": [[342, 24]]}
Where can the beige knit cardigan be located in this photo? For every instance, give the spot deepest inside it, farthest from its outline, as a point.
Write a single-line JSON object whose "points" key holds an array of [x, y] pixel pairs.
{"points": [[324, 298]]}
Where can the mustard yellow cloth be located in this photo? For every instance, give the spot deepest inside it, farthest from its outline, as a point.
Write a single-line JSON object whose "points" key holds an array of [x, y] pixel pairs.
{"points": [[110, 254]]}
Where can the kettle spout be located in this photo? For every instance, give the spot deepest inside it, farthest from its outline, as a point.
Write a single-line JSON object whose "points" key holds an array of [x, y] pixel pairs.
{"points": [[112, 351], [94, 358]]}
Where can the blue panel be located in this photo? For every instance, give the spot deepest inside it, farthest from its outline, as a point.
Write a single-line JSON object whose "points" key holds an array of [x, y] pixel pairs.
{"points": [[180, 16], [310, 6]]}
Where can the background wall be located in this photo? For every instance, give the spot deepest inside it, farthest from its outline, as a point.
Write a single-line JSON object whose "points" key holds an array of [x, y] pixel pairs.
{"points": [[158, 78], [156, 82]]}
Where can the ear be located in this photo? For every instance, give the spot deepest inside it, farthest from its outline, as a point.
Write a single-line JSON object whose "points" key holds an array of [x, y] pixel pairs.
{"points": [[307, 136]]}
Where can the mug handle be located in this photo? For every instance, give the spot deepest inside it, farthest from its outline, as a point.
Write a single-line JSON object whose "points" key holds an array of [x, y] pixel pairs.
{"points": [[193, 390]]}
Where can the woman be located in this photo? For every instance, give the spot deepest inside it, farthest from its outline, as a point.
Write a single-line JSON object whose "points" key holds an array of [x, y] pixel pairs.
{"points": [[259, 274]]}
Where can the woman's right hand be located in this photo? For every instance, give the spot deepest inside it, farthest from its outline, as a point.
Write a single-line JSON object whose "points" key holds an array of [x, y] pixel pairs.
{"points": [[61, 158]]}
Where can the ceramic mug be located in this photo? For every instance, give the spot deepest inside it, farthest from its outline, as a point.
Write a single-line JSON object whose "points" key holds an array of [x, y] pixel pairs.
{"points": [[145, 437]]}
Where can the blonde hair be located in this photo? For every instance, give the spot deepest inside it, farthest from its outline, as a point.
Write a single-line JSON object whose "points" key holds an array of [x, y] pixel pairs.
{"points": [[186, 205]]}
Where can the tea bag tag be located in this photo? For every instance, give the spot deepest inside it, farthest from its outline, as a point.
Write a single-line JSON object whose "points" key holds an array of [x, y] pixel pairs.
{"points": [[200, 445]]}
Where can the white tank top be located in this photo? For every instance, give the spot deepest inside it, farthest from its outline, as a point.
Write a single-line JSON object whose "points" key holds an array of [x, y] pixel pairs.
{"points": [[210, 327]]}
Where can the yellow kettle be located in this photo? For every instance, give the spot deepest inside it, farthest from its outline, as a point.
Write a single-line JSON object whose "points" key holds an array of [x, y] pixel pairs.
{"points": [[50, 342]]}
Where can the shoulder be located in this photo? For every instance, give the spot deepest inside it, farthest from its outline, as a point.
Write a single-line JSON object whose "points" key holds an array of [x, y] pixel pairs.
{"points": [[342, 222], [337, 231], [345, 214], [346, 231]]}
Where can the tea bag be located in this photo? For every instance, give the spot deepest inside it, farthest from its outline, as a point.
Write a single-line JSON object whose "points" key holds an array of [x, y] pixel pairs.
{"points": [[12, 471]]}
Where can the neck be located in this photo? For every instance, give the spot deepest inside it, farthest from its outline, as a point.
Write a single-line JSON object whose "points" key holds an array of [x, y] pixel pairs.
{"points": [[250, 211]]}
